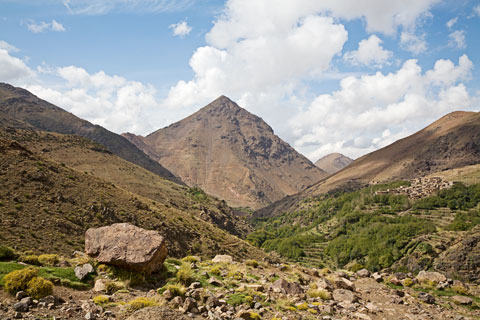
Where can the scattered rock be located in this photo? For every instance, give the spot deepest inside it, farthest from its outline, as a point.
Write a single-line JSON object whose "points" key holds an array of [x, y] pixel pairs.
{"points": [[222, 258], [364, 273], [84, 270], [377, 277], [189, 304], [20, 307], [343, 295], [466, 301], [425, 297], [214, 282], [128, 246], [283, 286], [100, 285], [436, 277], [20, 295]]}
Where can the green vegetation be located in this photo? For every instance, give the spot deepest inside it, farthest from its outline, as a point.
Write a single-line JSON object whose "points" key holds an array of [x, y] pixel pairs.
{"points": [[197, 194], [18, 280], [6, 253], [139, 303], [364, 228], [48, 259], [38, 288], [101, 300]]}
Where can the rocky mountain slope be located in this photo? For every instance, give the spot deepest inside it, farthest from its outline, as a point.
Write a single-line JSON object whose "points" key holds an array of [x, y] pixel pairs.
{"points": [[333, 162], [20, 108], [232, 154], [53, 190], [450, 142]]}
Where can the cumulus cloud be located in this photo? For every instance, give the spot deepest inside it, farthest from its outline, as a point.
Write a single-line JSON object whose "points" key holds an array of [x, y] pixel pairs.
{"points": [[110, 101], [451, 22], [180, 29], [369, 53], [6, 46], [95, 7], [371, 111], [416, 44], [476, 10], [12, 68], [45, 26], [457, 39]]}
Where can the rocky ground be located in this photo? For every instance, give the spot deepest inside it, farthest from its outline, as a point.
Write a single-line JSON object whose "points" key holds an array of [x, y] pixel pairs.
{"points": [[225, 289]]}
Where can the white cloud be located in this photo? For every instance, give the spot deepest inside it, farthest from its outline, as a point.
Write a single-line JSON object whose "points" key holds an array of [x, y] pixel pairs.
{"points": [[451, 22], [45, 26], [95, 7], [180, 29], [6, 46], [12, 68], [457, 39], [477, 10], [416, 44], [371, 111], [369, 53]]}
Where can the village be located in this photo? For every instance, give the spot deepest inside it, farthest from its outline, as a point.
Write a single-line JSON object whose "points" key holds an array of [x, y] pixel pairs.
{"points": [[419, 187]]}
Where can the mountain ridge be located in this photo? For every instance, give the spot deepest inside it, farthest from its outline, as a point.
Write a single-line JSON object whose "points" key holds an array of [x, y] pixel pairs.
{"points": [[230, 153]]}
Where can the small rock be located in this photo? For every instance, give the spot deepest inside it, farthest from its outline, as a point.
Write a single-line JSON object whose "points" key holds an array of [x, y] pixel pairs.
{"points": [[466, 301], [222, 258], [100, 285], [214, 282], [425, 297], [343, 295], [48, 299], [377, 277], [195, 285], [27, 300], [364, 273], [167, 294], [84, 270], [89, 316], [20, 295], [20, 307], [189, 304], [177, 301]]}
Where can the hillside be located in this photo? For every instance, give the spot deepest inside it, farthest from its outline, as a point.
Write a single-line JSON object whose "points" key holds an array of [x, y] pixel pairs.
{"points": [[20, 108], [46, 205], [450, 142], [232, 154], [333, 162]]}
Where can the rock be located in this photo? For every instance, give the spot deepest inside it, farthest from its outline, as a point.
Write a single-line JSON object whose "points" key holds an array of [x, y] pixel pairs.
{"points": [[84, 270], [89, 316], [256, 287], [393, 280], [48, 300], [343, 295], [324, 284], [167, 294], [177, 301], [125, 245], [20, 295], [100, 285], [27, 300], [17, 315], [222, 258], [283, 286], [195, 285], [243, 314], [371, 307], [436, 277], [425, 297], [377, 277], [212, 302], [342, 283], [189, 304], [20, 307], [214, 282], [364, 273], [462, 300]]}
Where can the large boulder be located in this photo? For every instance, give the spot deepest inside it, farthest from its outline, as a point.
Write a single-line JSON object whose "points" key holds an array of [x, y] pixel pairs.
{"points": [[125, 245], [436, 277]]}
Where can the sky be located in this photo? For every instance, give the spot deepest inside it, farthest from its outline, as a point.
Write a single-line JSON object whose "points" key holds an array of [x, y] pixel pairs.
{"points": [[328, 76]]}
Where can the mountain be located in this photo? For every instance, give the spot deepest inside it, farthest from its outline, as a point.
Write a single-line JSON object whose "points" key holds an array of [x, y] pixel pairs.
{"points": [[20, 108], [232, 154], [450, 142], [55, 187], [333, 162]]}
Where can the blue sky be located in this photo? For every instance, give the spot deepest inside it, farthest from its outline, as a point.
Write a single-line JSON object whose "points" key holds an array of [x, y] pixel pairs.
{"points": [[328, 76]]}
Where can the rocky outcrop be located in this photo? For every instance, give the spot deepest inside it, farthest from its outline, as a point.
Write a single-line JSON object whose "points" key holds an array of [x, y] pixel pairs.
{"points": [[127, 246]]}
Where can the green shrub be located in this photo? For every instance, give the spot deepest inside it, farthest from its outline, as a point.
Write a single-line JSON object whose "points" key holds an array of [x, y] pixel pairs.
{"points": [[113, 286], [185, 274], [254, 316], [319, 293], [48, 259], [139, 303], [407, 282], [215, 270], [176, 289], [38, 288], [460, 290], [18, 280], [6, 253], [30, 259], [101, 300], [356, 266], [191, 259], [252, 263]]}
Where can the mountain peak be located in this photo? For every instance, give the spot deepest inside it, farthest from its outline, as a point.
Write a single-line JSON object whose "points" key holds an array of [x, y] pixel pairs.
{"points": [[333, 162]]}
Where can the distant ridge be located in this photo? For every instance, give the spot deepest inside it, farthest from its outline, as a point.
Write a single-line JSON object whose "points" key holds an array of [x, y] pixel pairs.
{"points": [[19, 106], [333, 162]]}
